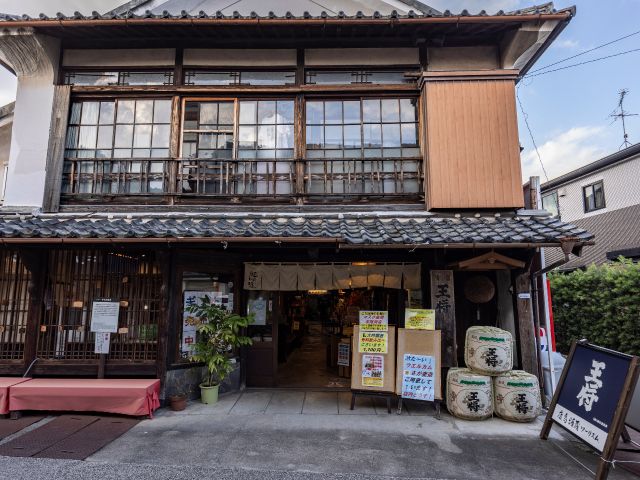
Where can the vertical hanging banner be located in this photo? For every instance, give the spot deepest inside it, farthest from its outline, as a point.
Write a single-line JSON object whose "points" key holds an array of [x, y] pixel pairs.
{"points": [[373, 370], [374, 320], [418, 380]]}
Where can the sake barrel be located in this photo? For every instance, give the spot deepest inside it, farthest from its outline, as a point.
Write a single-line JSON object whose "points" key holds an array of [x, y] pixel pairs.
{"points": [[517, 396], [488, 350], [469, 394]]}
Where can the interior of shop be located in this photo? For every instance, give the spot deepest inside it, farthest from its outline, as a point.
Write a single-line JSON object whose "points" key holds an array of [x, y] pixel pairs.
{"points": [[311, 326]]}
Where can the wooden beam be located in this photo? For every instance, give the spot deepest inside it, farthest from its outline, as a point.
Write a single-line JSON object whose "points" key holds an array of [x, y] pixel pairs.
{"points": [[55, 150], [526, 329], [36, 262], [443, 302]]}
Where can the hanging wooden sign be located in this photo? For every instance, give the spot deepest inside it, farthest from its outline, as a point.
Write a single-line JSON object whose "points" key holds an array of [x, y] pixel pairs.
{"points": [[592, 399]]}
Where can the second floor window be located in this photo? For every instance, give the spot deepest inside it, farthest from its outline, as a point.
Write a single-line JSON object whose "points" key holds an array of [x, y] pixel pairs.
{"points": [[550, 203], [593, 196]]}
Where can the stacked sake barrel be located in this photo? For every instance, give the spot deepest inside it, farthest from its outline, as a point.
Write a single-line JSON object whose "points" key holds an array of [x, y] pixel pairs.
{"points": [[488, 384]]}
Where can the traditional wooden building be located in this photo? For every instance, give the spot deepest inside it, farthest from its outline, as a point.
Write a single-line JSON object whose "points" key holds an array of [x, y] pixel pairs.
{"points": [[296, 161]]}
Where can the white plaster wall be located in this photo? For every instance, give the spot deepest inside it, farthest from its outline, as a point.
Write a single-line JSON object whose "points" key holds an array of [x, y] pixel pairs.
{"points": [[26, 173], [318, 57], [621, 189], [229, 57], [463, 58], [5, 145], [135, 57]]}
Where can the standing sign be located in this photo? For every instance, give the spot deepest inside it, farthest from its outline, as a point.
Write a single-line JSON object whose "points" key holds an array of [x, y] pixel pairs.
{"points": [[418, 379], [104, 315], [103, 341], [373, 370], [592, 398], [374, 321], [419, 319]]}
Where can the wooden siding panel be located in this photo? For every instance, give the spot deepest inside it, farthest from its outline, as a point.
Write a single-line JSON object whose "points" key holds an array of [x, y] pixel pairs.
{"points": [[472, 155]]}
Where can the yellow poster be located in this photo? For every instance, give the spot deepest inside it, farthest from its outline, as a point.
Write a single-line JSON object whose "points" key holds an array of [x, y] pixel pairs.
{"points": [[419, 319], [372, 342], [373, 370]]}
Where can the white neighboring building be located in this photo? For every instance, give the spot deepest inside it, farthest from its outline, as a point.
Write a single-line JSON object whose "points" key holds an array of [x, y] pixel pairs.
{"points": [[602, 197], [6, 123]]}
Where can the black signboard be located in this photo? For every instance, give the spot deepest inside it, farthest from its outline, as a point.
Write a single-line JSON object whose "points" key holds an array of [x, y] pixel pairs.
{"points": [[592, 398]]}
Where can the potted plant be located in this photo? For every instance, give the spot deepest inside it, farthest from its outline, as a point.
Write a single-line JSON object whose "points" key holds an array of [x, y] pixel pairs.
{"points": [[218, 333], [178, 401]]}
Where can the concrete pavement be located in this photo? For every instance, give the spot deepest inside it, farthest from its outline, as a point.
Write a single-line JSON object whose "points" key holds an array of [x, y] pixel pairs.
{"points": [[289, 434]]}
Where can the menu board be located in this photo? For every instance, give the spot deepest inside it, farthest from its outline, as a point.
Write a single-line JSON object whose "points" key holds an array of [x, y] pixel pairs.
{"points": [[419, 343], [365, 374], [419, 319], [418, 372]]}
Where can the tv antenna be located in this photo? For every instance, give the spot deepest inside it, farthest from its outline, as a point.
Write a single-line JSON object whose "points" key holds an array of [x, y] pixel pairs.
{"points": [[620, 114]]}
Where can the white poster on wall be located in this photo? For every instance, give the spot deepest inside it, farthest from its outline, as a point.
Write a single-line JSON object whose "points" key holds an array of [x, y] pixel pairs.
{"points": [[188, 319], [103, 341], [104, 316]]}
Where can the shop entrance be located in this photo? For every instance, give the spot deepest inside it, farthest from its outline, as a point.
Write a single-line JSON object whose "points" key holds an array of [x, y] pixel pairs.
{"points": [[297, 336]]}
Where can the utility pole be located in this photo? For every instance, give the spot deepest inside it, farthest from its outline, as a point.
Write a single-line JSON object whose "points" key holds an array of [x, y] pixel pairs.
{"points": [[620, 114]]}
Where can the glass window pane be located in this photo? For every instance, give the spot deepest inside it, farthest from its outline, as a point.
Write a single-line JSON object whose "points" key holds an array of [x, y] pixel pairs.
{"points": [[161, 134], [268, 78], [141, 153], [408, 111], [266, 113], [391, 135], [409, 132], [125, 111], [285, 136], [352, 112], [122, 153], [209, 78], [315, 137], [333, 136], [225, 113], [142, 136], [247, 137], [162, 111], [191, 116], [333, 112], [372, 135], [144, 111], [159, 152], [315, 115], [87, 138], [390, 110], [76, 109], [371, 110], [208, 114], [124, 136], [330, 78], [105, 137], [285, 111], [72, 137], [107, 110], [266, 136], [352, 136], [248, 113], [90, 113], [598, 194]]}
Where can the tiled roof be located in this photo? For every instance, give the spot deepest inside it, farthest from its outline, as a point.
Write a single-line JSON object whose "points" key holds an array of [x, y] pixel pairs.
{"points": [[615, 230], [278, 9], [357, 230]]}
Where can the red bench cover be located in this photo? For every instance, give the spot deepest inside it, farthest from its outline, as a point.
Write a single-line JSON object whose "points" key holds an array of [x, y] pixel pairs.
{"points": [[124, 396], [5, 384]]}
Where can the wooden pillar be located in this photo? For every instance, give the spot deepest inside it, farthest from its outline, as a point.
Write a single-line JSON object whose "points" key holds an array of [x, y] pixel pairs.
{"points": [[525, 324], [55, 149], [443, 302], [163, 259], [36, 262]]}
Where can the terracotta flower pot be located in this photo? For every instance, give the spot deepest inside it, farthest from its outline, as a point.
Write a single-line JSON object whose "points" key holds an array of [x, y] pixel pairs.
{"points": [[178, 403]]}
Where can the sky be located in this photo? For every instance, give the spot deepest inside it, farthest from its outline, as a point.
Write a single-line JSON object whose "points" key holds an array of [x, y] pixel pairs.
{"points": [[568, 111]]}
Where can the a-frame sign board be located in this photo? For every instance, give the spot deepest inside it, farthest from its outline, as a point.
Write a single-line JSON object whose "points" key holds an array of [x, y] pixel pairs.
{"points": [[592, 399]]}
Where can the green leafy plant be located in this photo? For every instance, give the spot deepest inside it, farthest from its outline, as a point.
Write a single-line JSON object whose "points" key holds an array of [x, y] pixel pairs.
{"points": [[218, 334], [601, 304]]}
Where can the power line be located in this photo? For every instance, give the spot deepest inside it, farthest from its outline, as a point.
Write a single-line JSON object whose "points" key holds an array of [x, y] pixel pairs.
{"points": [[529, 75], [533, 140], [585, 52]]}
